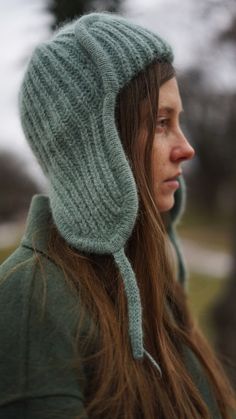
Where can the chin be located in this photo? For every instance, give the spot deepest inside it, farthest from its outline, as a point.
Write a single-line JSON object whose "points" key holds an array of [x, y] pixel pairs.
{"points": [[165, 204]]}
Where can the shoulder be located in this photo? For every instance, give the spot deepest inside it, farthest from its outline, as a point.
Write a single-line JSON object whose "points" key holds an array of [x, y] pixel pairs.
{"points": [[29, 279], [38, 325], [34, 289], [27, 269], [25, 260], [39, 316]]}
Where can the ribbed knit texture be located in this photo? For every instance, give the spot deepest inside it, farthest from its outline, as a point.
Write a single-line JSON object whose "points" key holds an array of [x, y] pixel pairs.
{"points": [[67, 107]]}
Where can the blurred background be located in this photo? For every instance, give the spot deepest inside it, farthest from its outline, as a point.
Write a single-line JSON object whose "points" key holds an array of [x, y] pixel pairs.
{"points": [[203, 36]]}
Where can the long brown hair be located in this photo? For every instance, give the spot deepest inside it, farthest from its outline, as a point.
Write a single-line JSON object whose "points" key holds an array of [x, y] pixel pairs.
{"points": [[119, 386]]}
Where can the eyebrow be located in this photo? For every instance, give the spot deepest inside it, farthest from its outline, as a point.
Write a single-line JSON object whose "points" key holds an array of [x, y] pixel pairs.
{"points": [[169, 110]]}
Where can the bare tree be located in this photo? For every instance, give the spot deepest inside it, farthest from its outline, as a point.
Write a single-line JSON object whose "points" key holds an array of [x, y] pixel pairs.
{"points": [[65, 10]]}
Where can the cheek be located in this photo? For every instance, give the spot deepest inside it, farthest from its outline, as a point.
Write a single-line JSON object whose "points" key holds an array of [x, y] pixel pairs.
{"points": [[159, 160], [164, 197]]}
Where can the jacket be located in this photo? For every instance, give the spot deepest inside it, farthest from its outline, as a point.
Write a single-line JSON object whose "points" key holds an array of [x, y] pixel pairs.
{"points": [[36, 352]]}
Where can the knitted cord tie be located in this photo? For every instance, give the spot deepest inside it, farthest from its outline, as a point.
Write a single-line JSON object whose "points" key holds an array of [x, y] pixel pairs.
{"points": [[134, 307], [134, 303]]}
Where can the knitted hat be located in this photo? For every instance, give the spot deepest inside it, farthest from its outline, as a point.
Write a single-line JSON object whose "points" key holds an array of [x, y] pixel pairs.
{"points": [[67, 108]]}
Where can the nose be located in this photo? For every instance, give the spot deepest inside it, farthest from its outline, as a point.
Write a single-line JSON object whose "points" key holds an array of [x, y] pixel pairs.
{"points": [[182, 150]]}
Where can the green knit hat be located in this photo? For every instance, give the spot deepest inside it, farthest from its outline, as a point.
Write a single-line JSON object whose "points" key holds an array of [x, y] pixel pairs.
{"points": [[67, 108]]}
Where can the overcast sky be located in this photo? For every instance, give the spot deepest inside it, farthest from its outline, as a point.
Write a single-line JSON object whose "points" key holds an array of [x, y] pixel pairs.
{"points": [[23, 23]]}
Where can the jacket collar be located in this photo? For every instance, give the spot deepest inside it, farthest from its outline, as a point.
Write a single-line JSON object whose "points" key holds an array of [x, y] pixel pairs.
{"points": [[38, 223]]}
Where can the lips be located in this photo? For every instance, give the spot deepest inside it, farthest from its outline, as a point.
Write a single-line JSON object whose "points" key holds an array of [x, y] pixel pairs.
{"points": [[171, 179], [172, 183], [175, 177]]}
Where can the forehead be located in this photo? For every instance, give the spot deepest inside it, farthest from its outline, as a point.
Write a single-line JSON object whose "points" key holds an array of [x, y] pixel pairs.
{"points": [[169, 97]]}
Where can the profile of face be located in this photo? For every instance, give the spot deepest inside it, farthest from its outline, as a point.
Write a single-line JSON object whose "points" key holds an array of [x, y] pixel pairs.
{"points": [[170, 148]]}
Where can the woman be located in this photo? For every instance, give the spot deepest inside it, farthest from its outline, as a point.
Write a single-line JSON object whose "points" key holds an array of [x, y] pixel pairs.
{"points": [[95, 321]]}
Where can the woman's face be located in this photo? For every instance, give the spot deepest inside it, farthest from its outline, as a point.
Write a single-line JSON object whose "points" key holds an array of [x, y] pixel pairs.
{"points": [[170, 147]]}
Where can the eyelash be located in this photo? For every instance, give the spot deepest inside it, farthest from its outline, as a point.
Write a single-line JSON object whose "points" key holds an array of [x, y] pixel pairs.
{"points": [[165, 120]]}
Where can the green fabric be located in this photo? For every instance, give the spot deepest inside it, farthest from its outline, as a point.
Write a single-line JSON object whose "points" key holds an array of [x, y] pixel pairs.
{"points": [[36, 351]]}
